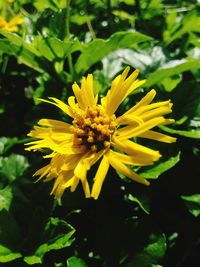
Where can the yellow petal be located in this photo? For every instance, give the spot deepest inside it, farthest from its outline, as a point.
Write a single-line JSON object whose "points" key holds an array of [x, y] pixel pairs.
{"points": [[81, 173], [15, 21], [158, 137], [143, 102], [89, 94], [130, 120], [58, 103], [55, 124], [120, 89], [62, 179], [122, 168], [64, 148], [129, 131], [155, 113], [132, 148], [135, 85], [77, 92], [72, 103], [100, 177], [148, 108], [70, 162], [55, 134], [73, 182], [131, 159], [42, 172]]}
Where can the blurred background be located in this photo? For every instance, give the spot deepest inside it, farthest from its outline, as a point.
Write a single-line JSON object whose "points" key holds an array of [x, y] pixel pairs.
{"points": [[46, 45]]}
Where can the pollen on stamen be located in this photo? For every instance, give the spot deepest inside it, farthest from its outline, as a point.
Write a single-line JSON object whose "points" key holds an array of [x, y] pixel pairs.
{"points": [[93, 128]]}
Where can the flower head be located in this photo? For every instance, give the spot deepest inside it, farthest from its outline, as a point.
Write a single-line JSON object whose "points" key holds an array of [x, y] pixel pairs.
{"points": [[11, 25], [96, 134]]}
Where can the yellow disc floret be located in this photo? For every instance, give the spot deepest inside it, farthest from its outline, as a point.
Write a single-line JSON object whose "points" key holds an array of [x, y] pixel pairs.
{"points": [[93, 128]]}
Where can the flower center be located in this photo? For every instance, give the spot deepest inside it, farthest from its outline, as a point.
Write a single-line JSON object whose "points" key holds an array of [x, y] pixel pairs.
{"points": [[93, 128]]}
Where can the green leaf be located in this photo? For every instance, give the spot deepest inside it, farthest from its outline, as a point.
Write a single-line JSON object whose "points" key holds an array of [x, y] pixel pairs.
{"points": [[9, 238], [189, 23], [23, 55], [81, 19], [152, 252], [55, 49], [141, 201], [6, 197], [26, 53], [158, 76], [190, 134], [51, 48], [6, 143], [99, 48], [7, 255], [170, 83], [193, 204], [17, 40], [76, 262], [44, 4], [57, 235], [158, 168], [13, 166], [123, 15]]}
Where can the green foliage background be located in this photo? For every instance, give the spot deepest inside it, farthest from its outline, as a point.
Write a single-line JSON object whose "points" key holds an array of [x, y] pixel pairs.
{"points": [[129, 225]]}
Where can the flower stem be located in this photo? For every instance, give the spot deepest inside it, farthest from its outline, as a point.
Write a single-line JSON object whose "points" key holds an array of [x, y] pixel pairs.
{"points": [[70, 63]]}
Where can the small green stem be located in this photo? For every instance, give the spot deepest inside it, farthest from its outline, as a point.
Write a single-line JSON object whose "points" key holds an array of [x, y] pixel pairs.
{"points": [[92, 32], [70, 63]]}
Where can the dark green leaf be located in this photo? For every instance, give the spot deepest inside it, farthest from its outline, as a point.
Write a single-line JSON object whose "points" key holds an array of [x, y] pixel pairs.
{"points": [[24, 56], [57, 235], [193, 204], [152, 253], [9, 238]]}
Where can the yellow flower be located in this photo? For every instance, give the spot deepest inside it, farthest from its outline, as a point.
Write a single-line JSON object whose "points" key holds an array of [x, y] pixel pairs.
{"points": [[96, 133], [11, 25]]}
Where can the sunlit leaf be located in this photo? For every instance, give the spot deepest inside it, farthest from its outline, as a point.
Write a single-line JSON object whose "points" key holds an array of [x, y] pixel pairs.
{"points": [[76, 262], [190, 134], [24, 56], [6, 143], [170, 83], [141, 201], [99, 48], [55, 49], [189, 23], [6, 197], [81, 19], [13, 166], [179, 67]]}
